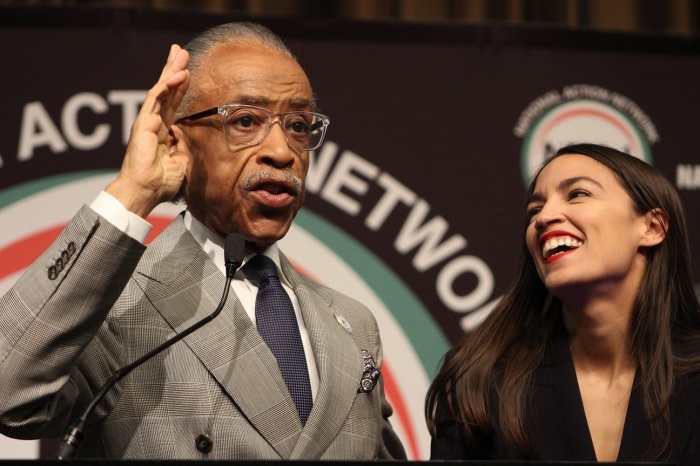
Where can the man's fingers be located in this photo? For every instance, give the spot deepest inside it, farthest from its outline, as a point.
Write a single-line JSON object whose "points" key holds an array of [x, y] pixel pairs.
{"points": [[166, 95], [171, 60]]}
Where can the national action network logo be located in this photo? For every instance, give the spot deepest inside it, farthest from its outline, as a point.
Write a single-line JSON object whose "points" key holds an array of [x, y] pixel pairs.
{"points": [[582, 113]]}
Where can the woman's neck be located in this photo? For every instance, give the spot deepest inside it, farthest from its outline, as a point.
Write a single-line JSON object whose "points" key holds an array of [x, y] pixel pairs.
{"points": [[600, 336]]}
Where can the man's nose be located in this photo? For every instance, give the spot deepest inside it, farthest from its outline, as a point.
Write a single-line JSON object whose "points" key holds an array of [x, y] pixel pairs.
{"points": [[274, 147]]}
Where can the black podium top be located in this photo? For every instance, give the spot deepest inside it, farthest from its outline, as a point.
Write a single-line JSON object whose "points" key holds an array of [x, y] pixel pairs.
{"points": [[106, 462]]}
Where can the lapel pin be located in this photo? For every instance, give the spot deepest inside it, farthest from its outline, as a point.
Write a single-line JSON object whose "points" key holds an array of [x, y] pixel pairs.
{"points": [[343, 321]]}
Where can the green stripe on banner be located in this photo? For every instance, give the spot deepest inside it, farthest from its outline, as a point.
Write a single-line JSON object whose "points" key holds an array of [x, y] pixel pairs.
{"points": [[415, 320], [16, 193]]}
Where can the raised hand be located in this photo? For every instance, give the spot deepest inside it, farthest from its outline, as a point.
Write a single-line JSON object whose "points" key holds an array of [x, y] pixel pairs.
{"points": [[153, 170]]}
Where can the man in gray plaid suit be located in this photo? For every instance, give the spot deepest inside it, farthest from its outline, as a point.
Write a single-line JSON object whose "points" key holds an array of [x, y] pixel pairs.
{"points": [[98, 298]]}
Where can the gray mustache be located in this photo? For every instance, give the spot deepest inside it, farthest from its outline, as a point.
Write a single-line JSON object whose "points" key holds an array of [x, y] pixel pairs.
{"points": [[274, 175]]}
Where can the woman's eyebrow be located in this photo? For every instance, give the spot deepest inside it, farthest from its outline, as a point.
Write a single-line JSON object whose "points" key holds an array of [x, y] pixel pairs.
{"points": [[564, 184]]}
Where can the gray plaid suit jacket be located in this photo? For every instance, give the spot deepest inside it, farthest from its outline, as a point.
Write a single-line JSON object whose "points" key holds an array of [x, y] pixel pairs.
{"points": [[65, 330]]}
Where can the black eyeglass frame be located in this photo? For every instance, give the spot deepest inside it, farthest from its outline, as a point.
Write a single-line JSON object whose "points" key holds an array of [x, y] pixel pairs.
{"points": [[322, 123]]}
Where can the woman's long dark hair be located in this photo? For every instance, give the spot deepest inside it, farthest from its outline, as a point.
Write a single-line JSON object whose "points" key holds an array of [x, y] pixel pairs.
{"points": [[500, 355]]}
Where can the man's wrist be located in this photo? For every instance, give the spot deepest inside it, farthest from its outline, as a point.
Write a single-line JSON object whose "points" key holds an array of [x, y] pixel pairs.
{"points": [[118, 215]]}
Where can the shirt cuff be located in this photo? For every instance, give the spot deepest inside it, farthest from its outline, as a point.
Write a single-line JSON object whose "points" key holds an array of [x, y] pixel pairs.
{"points": [[115, 213]]}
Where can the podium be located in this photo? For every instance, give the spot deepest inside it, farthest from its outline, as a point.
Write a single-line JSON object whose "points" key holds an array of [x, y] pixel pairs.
{"points": [[109, 462]]}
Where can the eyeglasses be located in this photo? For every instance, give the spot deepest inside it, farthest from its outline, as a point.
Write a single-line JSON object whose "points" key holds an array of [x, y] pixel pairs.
{"points": [[249, 126]]}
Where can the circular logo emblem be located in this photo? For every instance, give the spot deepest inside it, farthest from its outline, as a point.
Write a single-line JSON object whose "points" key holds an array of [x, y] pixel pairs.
{"points": [[582, 114]]}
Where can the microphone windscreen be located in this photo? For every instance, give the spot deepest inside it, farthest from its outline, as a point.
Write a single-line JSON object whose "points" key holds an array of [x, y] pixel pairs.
{"points": [[234, 249]]}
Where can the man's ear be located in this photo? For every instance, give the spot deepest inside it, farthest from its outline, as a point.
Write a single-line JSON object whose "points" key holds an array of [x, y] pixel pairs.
{"points": [[656, 223], [177, 141]]}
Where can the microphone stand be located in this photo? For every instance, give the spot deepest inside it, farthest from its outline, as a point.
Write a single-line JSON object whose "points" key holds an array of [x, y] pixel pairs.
{"points": [[234, 250]]}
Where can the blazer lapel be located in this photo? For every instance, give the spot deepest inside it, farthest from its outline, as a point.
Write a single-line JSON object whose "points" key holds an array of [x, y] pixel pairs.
{"points": [[636, 433], [561, 431], [339, 362], [565, 430], [685, 410], [185, 286]]}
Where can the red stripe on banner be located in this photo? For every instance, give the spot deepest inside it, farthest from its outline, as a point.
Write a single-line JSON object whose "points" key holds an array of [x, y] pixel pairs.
{"points": [[159, 223], [19, 255]]}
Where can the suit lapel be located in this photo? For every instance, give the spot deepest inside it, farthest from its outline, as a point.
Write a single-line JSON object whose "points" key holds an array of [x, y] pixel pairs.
{"points": [[185, 286], [339, 362]]}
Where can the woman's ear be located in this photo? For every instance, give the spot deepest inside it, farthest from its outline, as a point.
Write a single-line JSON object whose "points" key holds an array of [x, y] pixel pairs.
{"points": [[656, 223]]}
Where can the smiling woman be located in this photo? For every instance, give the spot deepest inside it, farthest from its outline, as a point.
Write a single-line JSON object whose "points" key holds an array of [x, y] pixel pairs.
{"points": [[592, 353], [578, 205]]}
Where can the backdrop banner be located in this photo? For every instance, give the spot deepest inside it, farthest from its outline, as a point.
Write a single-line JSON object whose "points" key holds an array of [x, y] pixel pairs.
{"points": [[416, 200]]}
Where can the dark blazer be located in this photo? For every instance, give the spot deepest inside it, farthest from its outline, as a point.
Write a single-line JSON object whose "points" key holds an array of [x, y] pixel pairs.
{"points": [[557, 427], [217, 394]]}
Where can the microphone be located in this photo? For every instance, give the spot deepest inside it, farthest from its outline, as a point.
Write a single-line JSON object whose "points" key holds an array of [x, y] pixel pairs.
{"points": [[234, 250]]}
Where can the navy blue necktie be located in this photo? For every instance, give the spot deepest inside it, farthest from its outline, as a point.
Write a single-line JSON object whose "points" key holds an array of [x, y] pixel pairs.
{"points": [[277, 324]]}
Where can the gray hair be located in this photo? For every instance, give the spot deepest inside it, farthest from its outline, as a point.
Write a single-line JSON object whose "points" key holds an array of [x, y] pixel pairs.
{"points": [[229, 33]]}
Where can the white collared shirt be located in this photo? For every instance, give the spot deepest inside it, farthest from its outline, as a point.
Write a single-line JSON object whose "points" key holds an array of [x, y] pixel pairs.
{"points": [[136, 227]]}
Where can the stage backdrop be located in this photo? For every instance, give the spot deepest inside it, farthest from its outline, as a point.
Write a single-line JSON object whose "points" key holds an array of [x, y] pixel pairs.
{"points": [[416, 199]]}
